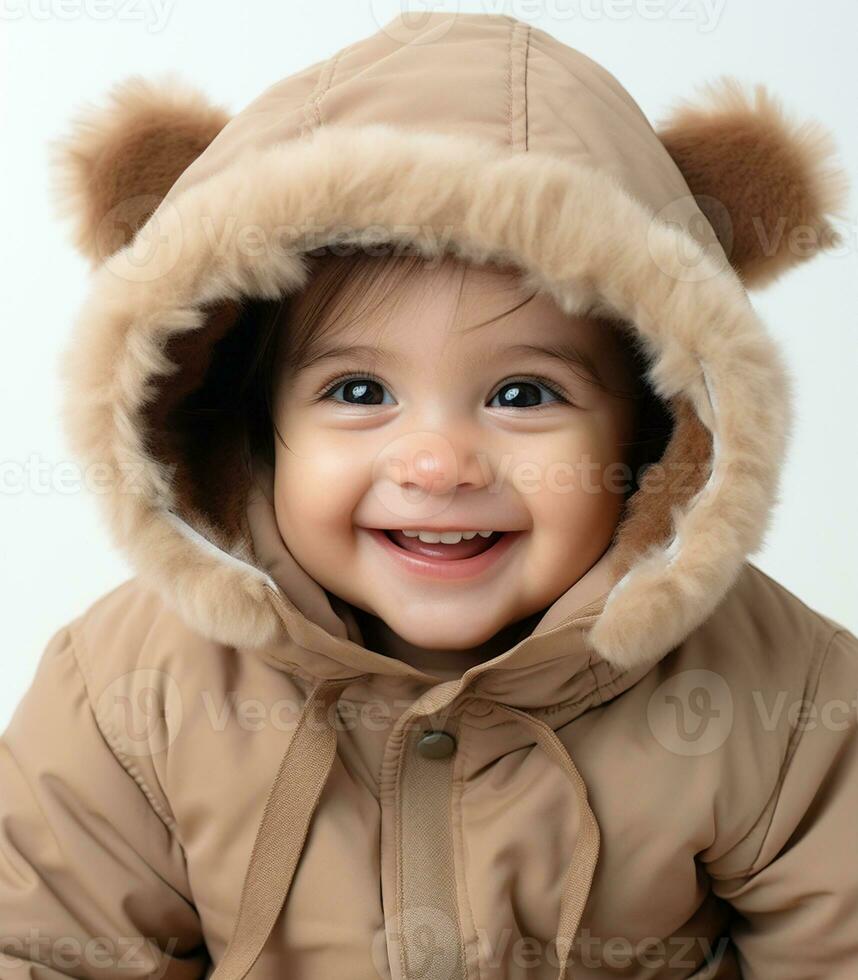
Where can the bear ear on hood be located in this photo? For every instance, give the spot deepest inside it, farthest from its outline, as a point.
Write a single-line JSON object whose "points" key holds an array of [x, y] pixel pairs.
{"points": [[768, 184], [117, 161]]}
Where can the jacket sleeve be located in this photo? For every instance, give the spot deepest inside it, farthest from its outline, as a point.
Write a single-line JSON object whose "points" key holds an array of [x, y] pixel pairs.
{"points": [[797, 904], [92, 880]]}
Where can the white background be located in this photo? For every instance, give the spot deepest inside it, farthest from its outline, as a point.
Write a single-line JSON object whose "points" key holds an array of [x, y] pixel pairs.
{"points": [[57, 54]]}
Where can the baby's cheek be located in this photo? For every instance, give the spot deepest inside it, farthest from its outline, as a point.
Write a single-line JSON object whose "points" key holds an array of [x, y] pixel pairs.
{"points": [[314, 521], [316, 492], [580, 490], [576, 507], [563, 464]]}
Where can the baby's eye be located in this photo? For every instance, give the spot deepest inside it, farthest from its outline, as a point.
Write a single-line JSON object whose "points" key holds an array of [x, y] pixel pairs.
{"points": [[524, 394], [360, 391]]}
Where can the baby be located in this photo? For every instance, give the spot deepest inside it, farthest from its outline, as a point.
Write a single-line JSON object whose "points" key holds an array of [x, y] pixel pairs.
{"points": [[443, 655]]}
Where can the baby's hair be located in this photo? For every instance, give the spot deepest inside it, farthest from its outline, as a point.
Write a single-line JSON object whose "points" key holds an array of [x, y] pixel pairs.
{"points": [[349, 286]]}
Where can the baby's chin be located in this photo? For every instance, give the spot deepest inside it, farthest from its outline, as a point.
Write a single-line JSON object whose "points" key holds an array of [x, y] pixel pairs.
{"points": [[431, 637], [452, 627]]}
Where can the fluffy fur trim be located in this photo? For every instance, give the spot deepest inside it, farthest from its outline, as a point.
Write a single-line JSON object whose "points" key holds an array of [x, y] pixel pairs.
{"points": [[768, 184], [572, 230], [117, 162]]}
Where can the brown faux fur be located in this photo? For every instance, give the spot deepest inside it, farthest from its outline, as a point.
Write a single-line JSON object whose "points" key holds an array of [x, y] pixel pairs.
{"points": [[767, 184], [670, 483], [118, 162]]}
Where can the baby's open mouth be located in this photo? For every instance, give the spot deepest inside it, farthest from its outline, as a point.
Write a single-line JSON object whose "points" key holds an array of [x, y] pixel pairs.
{"points": [[475, 543]]}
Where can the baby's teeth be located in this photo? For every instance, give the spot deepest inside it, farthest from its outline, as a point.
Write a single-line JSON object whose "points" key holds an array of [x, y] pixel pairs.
{"points": [[446, 537]]}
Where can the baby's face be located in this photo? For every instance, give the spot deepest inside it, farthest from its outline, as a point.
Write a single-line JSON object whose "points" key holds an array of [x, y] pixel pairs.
{"points": [[423, 424]]}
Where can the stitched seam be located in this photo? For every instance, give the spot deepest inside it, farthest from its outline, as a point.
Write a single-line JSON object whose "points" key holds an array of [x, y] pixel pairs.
{"points": [[463, 952], [404, 735], [514, 47], [458, 785], [309, 107], [299, 671], [814, 676], [592, 668], [572, 702], [524, 83], [544, 710], [109, 736], [509, 83], [330, 68]]}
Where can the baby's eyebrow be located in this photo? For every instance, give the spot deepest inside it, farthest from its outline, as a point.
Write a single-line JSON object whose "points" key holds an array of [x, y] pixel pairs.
{"points": [[566, 352], [361, 352]]}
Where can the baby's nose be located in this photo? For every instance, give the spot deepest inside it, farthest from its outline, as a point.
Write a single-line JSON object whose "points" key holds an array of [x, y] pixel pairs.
{"points": [[432, 462], [424, 462]]}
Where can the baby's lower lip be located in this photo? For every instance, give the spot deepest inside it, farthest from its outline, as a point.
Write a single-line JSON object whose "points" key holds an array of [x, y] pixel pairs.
{"points": [[444, 565]]}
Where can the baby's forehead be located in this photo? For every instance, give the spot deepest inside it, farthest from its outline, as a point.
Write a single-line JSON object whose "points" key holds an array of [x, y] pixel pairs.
{"points": [[473, 302], [493, 321], [464, 315]]}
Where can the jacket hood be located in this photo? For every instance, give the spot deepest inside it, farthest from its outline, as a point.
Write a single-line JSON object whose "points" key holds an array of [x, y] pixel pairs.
{"points": [[471, 133]]}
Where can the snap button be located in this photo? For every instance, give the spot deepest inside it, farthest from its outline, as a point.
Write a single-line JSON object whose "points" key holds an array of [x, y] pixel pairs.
{"points": [[436, 745]]}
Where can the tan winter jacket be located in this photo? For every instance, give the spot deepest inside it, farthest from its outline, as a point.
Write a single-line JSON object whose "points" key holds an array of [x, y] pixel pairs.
{"points": [[212, 774]]}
